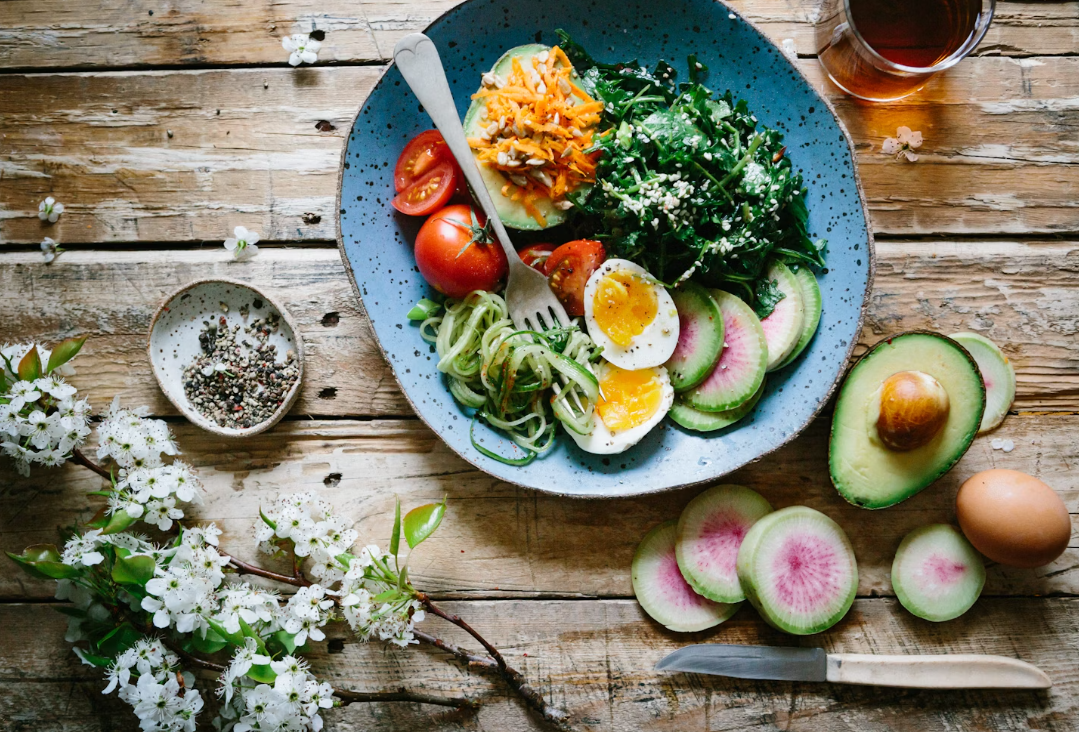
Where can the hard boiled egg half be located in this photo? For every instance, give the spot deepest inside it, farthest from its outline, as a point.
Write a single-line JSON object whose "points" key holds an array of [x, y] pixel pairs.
{"points": [[630, 404], [630, 315]]}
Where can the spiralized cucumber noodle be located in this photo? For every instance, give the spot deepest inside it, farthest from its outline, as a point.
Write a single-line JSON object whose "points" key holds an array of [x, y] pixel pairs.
{"points": [[519, 381]]}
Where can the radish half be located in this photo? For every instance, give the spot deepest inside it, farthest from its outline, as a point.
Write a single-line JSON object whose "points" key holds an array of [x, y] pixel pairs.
{"points": [[783, 326], [710, 531], [997, 373], [814, 305], [698, 421], [798, 569], [937, 574], [663, 592]]}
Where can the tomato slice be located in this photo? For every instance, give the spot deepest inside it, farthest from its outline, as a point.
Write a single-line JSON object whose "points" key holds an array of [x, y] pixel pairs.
{"points": [[421, 154], [568, 269], [535, 255], [429, 193]]}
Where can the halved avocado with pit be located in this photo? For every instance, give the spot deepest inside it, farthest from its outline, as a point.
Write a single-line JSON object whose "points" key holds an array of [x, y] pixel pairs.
{"points": [[513, 214], [865, 470]]}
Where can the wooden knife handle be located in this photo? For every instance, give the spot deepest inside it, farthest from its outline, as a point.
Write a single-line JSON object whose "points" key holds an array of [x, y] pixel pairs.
{"points": [[936, 672]]}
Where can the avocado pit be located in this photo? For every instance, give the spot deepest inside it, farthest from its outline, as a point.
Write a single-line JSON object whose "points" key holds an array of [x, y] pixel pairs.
{"points": [[911, 408]]}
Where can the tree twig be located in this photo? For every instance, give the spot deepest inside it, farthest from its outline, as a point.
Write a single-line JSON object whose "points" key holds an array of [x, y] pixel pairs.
{"points": [[245, 568], [79, 458], [404, 695], [516, 680], [482, 662], [194, 660]]}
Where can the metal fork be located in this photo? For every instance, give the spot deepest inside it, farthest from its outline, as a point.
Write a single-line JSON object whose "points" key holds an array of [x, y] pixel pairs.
{"points": [[532, 304]]}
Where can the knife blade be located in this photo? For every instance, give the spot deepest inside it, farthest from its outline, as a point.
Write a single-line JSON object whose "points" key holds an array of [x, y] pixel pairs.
{"points": [[947, 671]]}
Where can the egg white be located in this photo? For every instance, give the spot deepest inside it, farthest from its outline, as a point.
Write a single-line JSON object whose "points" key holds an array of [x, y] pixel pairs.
{"points": [[654, 346], [601, 441]]}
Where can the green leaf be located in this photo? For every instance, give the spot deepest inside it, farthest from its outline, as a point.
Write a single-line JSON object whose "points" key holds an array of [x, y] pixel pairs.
{"points": [[3, 383], [99, 520], [30, 365], [211, 643], [104, 494], [118, 640], [249, 632], [64, 352], [395, 537], [345, 559], [91, 659], [421, 522], [423, 310], [263, 674], [137, 570], [43, 561], [386, 596], [266, 518], [118, 522], [286, 640], [71, 612], [235, 639]]}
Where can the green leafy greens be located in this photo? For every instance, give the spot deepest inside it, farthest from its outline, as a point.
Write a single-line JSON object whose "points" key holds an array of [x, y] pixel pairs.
{"points": [[687, 184]]}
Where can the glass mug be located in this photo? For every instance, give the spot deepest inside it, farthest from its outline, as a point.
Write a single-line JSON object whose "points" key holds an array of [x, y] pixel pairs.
{"points": [[881, 50]]}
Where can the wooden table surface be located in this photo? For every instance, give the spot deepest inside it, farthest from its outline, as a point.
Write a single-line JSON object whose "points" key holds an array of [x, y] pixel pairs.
{"points": [[161, 126]]}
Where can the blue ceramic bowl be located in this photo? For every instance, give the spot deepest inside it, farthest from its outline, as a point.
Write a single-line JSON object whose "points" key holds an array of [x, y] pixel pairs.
{"points": [[377, 242]]}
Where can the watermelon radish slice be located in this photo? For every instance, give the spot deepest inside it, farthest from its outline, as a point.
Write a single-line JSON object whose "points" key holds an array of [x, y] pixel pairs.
{"points": [[700, 336], [812, 302], [662, 591], [695, 419], [739, 372], [997, 373], [798, 569], [937, 574], [710, 531], [783, 327]]}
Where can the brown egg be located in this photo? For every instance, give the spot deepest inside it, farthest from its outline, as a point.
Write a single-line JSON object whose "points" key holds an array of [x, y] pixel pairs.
{"points": [[913, 408], [1013, 518]]}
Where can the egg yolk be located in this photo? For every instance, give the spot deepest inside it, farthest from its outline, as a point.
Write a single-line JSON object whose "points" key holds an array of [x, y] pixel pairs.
{"points": [[628, 398], [623, 306]]}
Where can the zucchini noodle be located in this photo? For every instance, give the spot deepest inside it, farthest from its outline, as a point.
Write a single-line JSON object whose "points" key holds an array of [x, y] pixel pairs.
{"points": [[519, 381]]}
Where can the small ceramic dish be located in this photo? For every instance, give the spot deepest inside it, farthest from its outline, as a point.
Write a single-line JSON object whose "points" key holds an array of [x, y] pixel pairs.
{"points": [[174, 341]]}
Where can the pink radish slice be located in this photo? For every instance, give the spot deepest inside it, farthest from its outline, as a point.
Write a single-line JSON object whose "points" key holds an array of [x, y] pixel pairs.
{"points": [[700, 336], [662, 591], [741, 366], [783, 326], [710, 531], [937, 574]]}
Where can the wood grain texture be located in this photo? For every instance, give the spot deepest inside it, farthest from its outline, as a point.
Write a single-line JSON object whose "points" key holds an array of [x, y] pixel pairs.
{"points": [[113, 33], [247, 147], [595, 659], [498, 539], [1025, 296]]}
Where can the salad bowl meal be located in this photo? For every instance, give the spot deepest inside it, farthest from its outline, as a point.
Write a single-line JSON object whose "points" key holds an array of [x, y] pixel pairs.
{"points": [[692, 202]]}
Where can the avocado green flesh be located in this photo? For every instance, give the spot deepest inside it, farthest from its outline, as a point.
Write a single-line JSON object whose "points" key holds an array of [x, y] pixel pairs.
{"points": [[867, 473], [513, 214]]}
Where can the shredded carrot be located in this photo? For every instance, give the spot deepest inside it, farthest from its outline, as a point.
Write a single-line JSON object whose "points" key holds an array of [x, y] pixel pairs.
{"points": [[537, 126]]}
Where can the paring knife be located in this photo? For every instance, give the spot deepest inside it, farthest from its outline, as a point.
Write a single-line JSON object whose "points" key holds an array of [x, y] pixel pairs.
{"points": [[813, 664]]}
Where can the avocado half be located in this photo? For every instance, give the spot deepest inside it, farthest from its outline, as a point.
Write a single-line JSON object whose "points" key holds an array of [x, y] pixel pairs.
{"points": [[863, 470], [513, 214]]}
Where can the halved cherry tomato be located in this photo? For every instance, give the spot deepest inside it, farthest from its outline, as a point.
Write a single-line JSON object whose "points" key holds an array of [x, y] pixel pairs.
{"points": [[455, 257], [421, 154], [429, 193], [568, 269], [535, 255]]}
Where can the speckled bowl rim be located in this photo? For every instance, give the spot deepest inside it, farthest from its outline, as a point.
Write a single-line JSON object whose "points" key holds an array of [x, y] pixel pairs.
{"points": [[871, 256], [189, 412]]}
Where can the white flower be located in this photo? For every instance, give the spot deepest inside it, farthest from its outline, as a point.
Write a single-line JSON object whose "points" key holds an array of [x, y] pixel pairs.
{"points": [[903, 144], [302, 49], [49, 249], [242, 245], [242, 661], [83, 549], [49, 210]]}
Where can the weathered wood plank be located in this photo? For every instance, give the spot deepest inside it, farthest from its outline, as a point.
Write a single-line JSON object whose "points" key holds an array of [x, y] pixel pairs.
{"points": [[1024, 296], [500, 539], [191, 32], [595, 659], [1000, 155]]}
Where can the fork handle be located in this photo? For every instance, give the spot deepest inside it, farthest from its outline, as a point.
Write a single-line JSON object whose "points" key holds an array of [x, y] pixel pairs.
{"points": [[418, 61]]}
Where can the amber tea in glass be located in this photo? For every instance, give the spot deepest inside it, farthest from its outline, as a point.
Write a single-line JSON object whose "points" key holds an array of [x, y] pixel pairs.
{"points": [[882, 50]]}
